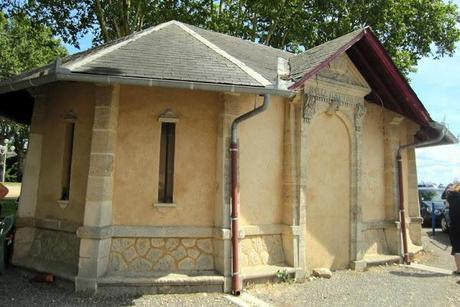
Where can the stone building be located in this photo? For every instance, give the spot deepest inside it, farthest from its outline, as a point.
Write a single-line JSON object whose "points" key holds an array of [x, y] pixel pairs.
{"points": [[128, 172]]}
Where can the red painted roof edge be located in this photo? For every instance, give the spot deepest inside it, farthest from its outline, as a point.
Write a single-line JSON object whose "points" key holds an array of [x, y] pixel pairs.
{"points": [[412, 99], [401, 82], [328, 60]]}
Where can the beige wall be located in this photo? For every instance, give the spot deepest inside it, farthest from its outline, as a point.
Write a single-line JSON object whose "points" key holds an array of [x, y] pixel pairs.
{"points": [[261, 162], [62, 98], [136, 165], [373, 159], [328, 193]]}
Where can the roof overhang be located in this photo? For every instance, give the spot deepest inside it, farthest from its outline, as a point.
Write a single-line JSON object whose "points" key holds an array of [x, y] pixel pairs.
{"points": [[432, 131], [21, 102], [60, 74], [17, 106]]}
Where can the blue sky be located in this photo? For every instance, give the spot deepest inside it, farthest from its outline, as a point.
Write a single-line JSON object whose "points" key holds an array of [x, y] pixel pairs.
{"points": [[437, 84]]}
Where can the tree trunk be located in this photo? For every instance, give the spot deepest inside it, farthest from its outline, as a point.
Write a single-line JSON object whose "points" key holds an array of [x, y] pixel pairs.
{"points": [[101, 20]]}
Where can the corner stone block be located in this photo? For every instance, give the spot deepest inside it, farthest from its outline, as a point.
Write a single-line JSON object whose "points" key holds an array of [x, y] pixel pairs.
{"points": [[94, 248], [101, 165], [87, 285], [98, 213], [99, 189], [105, 118], [103, 141], [359, 266]]}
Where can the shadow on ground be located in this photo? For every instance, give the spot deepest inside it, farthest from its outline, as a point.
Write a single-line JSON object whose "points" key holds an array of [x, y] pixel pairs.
{"points": [[18, 289]]}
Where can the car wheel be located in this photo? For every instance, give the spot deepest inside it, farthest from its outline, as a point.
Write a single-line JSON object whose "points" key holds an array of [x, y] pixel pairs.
{"points": [[444, 226]]}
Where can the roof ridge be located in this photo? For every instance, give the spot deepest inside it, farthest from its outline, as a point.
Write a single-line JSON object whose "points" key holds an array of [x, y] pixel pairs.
{"points": [[241, 39], [111, 47], [248, 70]]}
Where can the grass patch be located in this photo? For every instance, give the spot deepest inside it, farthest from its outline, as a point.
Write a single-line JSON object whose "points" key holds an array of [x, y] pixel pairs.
{"points": [[9, 206]]}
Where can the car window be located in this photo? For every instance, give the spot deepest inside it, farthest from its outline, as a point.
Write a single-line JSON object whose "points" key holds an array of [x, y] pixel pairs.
{"points": [[431, 195]]}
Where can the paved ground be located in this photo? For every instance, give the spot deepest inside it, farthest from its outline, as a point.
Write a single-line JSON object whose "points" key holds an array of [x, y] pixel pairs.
{"points": [[380, 286], [14, 189]]}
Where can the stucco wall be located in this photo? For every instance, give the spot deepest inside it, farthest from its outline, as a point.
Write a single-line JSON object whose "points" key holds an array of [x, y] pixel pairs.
{"points": [[137, 156], [373, 164], [261, 162], [62, 98], [328, 193]]}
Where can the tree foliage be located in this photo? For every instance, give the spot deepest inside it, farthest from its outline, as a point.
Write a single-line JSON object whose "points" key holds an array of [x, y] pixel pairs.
{"points": [[23, 46], [18, 134], [409, 29]]}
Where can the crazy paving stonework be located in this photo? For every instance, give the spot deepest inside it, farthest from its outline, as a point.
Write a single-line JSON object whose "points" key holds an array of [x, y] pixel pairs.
{"points": [[144, 255], [262, 250], [55, 246]]}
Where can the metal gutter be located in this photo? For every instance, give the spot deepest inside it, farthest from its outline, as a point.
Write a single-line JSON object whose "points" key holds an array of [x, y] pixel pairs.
{"points": [[402, 216], [65, 75]]}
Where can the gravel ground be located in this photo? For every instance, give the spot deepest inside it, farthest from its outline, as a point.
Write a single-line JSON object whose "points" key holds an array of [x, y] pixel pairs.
{"points": [[17, 289], [379, 286]]}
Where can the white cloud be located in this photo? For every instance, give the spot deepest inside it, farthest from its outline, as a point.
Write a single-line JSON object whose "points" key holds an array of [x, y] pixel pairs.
{"points": [[439, 164]]}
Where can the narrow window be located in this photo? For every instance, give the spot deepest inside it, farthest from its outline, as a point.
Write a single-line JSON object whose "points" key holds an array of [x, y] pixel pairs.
{"points": [[166, 177], [67, 160]]}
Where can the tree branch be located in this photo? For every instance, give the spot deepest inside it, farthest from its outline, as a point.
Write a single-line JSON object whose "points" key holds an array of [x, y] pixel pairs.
{"points": [[101, 20]]}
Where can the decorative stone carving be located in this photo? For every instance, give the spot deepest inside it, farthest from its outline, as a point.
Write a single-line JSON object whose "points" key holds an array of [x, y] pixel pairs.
{"points": [[334, 106], [168, 116], [360, 111], [309, 107], [328, 96]]}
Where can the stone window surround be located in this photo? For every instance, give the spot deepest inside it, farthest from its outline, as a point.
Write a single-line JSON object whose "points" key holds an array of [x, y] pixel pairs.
{"points": [[69, 118], [167, 116]]}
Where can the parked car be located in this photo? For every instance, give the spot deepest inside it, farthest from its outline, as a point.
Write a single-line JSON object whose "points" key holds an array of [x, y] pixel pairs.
{"points": [[428, 197]]}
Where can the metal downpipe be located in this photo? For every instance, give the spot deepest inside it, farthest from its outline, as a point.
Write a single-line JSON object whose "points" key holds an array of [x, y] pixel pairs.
{"points": [[236, 274], [402, 209]]}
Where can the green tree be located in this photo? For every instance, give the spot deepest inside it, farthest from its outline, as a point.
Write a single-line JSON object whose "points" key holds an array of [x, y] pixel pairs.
{"points": [[23, 46], [409, 29]]}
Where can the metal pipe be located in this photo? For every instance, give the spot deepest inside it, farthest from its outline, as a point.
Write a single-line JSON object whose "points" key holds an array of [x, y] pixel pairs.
{"points": [[236, 276], [402, 209]]}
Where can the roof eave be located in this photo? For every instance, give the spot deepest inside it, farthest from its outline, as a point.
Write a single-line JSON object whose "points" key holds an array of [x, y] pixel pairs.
{"points": [[431, 132], [66, 75]]}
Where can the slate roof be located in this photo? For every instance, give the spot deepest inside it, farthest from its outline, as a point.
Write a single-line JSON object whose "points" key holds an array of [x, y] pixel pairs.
{"points": [[169, 53], [262, 58], [174, 51], [307, 61], [182, 52]]}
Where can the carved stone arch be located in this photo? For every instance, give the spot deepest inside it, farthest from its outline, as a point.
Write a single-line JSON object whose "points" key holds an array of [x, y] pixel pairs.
{"points": [[347, 121]]}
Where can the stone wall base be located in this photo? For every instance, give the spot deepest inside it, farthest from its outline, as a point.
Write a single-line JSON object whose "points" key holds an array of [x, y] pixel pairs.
{"points": [[59, 269], [150, 256], [48, 251]]}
